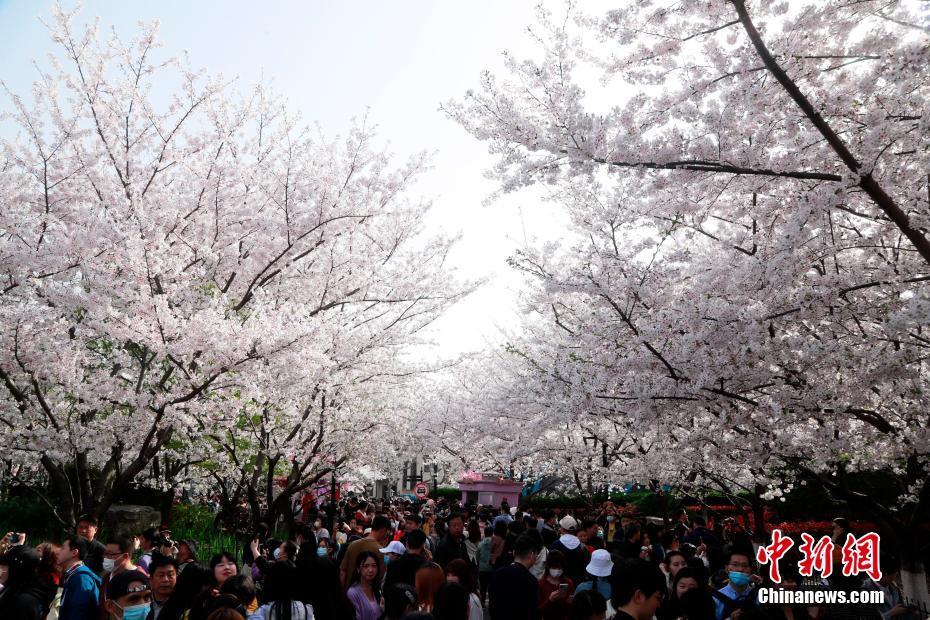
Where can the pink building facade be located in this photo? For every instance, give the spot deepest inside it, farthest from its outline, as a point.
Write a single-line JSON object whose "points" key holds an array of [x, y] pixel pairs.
{"points": [[489, 489]]}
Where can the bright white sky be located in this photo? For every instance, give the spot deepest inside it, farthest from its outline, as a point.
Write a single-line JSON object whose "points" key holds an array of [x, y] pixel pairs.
{"points": [[334, 60]]}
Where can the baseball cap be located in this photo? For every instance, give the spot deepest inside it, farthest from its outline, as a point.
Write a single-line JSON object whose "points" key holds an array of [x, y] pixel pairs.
{"points": [[568, 523], [395, 546], [119, 585]]}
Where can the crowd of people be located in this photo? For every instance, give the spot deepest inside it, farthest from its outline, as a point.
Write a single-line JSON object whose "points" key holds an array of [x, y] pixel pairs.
{"points": [[403, 560]]}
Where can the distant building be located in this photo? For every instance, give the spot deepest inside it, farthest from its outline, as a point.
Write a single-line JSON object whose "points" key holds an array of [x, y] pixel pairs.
{"points": [[405, 479], [489, 489]]}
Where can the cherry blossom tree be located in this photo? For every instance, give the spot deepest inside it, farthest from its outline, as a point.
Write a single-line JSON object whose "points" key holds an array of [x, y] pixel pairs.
{"points": [[745, 285], [176, 264]]}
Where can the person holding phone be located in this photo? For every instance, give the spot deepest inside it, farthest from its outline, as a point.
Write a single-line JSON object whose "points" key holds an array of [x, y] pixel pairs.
{"points": [[556, 591]]}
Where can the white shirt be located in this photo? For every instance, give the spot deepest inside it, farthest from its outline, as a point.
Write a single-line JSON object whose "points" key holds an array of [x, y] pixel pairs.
{"points": [[299, 611]]}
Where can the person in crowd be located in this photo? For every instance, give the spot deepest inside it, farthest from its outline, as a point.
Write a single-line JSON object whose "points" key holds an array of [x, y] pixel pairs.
{"points": [[411, 522], [684, 580], [576, 555], [373, 542], [147, 546], [428, 579], [364, 591], [462, 572], [540, 566], [587, 534], [80, 597], [472, 539], [637, 588], [839, 581], [261, 534], [49, 574], [400, 600], [24, 595], [674, 562], [503, 516], [223, 604], [87, 526], [281, 551], [597, 574], [556, 591], [393, 552], [696, 604], [322, 588], [738, 595], [243, 588], [319, 530], [187, 553], [226, 613], [790, 580], [282, 596], [700, 535], [894, 606], [628, 545], [324, 548], [117, 558], [130, 596], [164, 578], [499, 545], [484, 563], [549, 528], [192, 585], [452, 546], [223, 566], [451, 602], [588, 605], [405, 568], [513, 593]]}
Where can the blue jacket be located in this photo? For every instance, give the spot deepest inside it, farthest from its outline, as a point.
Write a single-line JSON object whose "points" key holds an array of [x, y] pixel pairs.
{"points": [[80, 595]]}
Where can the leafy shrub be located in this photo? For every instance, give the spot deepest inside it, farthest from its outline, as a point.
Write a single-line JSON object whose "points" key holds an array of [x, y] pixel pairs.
{"points": [[25, 513], [449, 493]]}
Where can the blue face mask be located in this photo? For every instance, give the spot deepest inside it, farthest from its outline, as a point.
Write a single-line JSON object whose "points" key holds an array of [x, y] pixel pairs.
{"points": [[136, 612], [387, 560], [738, 579], [321, 551]]}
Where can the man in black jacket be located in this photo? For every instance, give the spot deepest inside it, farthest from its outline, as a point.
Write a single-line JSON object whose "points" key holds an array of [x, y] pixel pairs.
{"points": [[452, 545], [24, 596], [404, 569], [514, 593]]}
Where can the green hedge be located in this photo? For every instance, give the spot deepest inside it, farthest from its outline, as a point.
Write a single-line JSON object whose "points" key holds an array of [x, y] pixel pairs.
{"points": [[26, 513], [198, 523], [449, 493]]}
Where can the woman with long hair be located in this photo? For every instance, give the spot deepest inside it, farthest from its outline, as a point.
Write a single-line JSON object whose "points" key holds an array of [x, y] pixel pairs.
{"points": [[555, 589], [451, 602], [429, 578], [461, 572], [190, 595], [281, 595], [49, 574], [23, 596], [364, 591]]}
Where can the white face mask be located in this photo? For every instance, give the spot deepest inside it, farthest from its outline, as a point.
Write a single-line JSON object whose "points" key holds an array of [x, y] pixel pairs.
{"points": [[277, 553], [108, 565], [556, 572]]}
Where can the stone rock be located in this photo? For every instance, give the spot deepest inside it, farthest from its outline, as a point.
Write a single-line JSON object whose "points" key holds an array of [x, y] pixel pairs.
{"points": [[129, 519]]}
